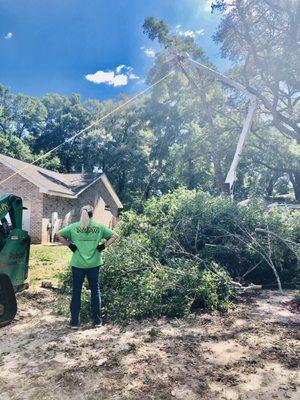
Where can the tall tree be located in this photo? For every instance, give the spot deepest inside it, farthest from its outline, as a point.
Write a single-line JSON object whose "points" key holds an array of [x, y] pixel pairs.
{"points": [[204, 99], [262, 38], [65, 117], [29, 115], [20, 115]]}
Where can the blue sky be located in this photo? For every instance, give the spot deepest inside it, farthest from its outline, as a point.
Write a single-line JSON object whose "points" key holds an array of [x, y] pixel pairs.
{"points": [[65, 46]]}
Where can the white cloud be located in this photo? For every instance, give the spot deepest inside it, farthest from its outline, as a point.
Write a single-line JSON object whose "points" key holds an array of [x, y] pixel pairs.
{"points": [[192, 34], [119, 80], [188, 33], [120, 67], [8, 36], [113, 78], [102, 77], [200, 32], [148, 51], [133, 76]]}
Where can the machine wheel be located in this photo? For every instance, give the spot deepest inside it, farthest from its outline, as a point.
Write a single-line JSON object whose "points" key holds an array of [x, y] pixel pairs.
{"points": [[8, 302]]}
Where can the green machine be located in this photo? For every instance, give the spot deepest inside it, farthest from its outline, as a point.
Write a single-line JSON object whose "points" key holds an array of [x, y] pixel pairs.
{"points": [[14, 255]]}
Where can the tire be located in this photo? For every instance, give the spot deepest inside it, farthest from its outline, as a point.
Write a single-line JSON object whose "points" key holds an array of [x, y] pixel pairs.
{"points": [[8, 302]]}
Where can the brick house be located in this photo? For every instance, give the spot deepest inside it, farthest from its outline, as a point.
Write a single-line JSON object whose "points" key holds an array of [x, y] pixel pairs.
{"points": [[54, 200]]}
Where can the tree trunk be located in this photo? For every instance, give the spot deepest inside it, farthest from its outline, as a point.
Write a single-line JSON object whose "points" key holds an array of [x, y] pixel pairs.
{"points": [[213, 130], [121, 184], [213, 137], [270, 185], [295, 179]]}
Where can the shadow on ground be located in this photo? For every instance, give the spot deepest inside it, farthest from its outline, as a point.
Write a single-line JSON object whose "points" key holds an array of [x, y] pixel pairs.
{"points": [[250, 353]]}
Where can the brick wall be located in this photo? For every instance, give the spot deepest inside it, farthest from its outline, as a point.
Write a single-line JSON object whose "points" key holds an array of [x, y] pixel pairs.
{"points": [[69, 209], [31, 197], [64, 208], [41, 206]]}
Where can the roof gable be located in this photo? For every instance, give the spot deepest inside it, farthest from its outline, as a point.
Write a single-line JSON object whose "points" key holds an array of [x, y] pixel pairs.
{"points": [[55, 183]]}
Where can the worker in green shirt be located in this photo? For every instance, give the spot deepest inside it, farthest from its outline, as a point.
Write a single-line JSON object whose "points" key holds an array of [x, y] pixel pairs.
{"points": [[86, 239]]}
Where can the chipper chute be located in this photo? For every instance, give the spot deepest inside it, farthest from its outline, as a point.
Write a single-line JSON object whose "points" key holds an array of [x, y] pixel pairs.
{"points": [[14, 255]]}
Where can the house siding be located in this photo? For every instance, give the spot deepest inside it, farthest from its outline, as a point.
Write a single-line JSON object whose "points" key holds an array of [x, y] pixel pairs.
{"points": [[31, 196]]}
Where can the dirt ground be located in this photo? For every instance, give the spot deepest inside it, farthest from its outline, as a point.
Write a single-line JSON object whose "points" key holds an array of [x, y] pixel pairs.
{"points": [[250, 353]]}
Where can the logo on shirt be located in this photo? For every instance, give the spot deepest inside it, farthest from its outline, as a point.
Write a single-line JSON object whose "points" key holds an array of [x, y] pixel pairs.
{"points": [[89, 229]]}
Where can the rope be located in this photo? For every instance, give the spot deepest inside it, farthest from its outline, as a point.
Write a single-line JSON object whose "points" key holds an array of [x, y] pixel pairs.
{"points": [[123, 105]]}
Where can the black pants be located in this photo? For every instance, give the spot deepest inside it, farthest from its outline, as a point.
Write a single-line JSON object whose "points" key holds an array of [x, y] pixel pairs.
{"points": [[78, 275]]}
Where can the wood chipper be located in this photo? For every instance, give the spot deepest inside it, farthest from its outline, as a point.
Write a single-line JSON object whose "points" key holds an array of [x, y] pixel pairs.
{"points": [[14, 255]]}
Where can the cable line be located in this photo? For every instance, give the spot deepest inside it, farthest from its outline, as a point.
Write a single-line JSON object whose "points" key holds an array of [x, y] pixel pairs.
{"points": [[132, 99]]}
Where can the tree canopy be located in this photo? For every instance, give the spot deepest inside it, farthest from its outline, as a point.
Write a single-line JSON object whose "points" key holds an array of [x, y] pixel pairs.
{"points": [[184, 133]]}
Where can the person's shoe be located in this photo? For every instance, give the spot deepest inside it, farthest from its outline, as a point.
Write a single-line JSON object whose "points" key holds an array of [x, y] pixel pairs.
{"points": [[74, 327], [97, 325]]}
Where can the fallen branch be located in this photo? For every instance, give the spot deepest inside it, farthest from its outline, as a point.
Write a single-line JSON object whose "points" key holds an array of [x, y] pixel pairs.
{"points": [[242, 289], [237, 286], [287, 242], [261, 251]]}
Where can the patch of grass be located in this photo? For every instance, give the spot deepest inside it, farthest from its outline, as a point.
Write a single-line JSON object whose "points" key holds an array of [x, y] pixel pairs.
{"points": [[152, 335], [46, 262]]}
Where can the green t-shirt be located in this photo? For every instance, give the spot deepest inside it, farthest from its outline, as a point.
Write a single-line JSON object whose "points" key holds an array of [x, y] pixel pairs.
{"points": [[86, 240]]}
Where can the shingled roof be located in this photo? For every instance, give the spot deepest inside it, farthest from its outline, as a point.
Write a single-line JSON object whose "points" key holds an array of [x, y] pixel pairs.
{"points": [[55, 183]]}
